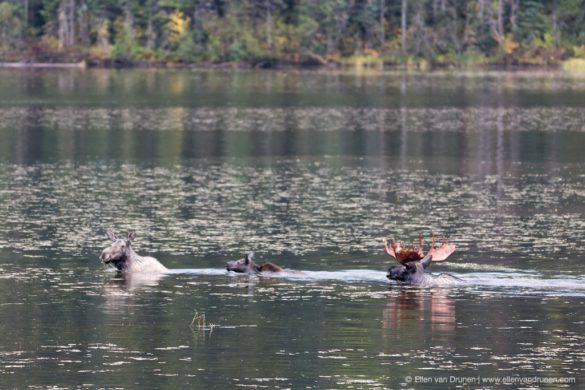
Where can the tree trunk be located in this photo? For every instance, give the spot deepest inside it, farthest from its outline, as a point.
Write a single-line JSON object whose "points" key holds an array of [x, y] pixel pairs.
{"points": [[514, 4], [63, 29], [26, 14], [66, 21], [71, 38], [149, 33], [417, 27], [493, 23], [382, 29], [466, 30], [403, 25], [130, 22], [196, 14], [555, 25], [83, 22], [341, 18], [500, 18], [102, 34], [268, 24], [480, 10]]}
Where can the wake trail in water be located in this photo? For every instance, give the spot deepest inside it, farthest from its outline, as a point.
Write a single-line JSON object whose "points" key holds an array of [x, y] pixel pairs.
{"points": [[349, 275], [526, 281], [508, 282]]}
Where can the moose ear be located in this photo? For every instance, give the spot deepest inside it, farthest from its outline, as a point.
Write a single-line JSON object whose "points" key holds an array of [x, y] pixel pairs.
{"points": [[428, 259], [131, 235], [111, 235], [249, 257]]}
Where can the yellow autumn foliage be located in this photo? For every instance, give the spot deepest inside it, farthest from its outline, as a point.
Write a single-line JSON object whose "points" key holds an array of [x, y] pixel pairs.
{"points": [[177, 25], [281, 41], [371, 53], [509, 44]]}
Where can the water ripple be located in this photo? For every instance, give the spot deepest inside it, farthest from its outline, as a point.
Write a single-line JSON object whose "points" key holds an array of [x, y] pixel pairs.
{"points": [[292, 206], [277, 119]]}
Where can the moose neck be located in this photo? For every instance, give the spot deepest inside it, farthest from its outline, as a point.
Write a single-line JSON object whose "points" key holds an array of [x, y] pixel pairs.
{"points": [[420, 277], [416, 273], [127, 260], [133, 256]]}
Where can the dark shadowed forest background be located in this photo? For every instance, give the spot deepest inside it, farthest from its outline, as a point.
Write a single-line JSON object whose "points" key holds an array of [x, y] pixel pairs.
{"points": [[267, 33]]}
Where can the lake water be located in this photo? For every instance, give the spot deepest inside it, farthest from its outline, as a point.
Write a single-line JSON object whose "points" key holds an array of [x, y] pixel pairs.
{"points": [[310, 170]]}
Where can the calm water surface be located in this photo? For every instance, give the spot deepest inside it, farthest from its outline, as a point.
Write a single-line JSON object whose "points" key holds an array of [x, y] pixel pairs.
{"points": [[310, 170]]}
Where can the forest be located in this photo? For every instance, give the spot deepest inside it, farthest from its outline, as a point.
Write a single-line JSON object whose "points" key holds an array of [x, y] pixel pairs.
{"points": [[268, 33]]}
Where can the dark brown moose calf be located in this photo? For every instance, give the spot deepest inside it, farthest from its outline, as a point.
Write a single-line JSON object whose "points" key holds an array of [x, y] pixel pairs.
{"points": [[248, 266]]}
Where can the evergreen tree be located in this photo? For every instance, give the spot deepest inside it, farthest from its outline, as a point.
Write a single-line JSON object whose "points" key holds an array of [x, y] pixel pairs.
{"points": [[285, 30]]}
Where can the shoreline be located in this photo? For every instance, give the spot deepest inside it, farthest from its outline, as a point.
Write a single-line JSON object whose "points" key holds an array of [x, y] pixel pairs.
{"points": [[31, 65], [275, 66]]}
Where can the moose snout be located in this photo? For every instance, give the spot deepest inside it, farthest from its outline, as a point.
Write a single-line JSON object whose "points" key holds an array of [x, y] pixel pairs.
{"points": [[105, 256]]}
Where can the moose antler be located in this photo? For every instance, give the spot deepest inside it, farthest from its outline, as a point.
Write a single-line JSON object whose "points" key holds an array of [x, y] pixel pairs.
{"points": [[404, 254], [407, 254], [441, 253]]}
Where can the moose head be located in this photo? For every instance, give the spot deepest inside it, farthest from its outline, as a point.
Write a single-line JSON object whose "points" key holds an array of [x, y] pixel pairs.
{"points": [[245, 265], [119, 251]]}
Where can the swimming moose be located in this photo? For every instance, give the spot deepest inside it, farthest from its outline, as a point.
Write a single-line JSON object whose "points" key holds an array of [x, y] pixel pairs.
{"points": [[247, 265], [411, 269], [123, 258]]}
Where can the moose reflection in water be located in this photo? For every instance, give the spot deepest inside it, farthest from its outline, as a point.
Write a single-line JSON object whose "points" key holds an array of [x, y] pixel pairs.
{"points": [[411, 269], [121, 255], [419, 313], [120, 291]]}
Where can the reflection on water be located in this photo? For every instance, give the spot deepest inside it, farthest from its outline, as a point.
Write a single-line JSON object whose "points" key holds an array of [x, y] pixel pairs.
{"points": [[469, 120], [103, 88], [119, 291], [486, 136], [409, 309], [310, 170], [338, 330]]}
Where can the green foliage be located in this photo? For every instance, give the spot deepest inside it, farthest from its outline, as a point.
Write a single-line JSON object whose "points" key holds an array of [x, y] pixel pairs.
{"points": [[126, 48], [232, 38], [574, 64], [532, 23], [186, 48], [571, 18], [10, 26], [484, 39], [437, 31]]}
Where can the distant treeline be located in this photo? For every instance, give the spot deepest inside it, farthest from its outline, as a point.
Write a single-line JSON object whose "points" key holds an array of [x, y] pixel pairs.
{"points": [[302, 32]]}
